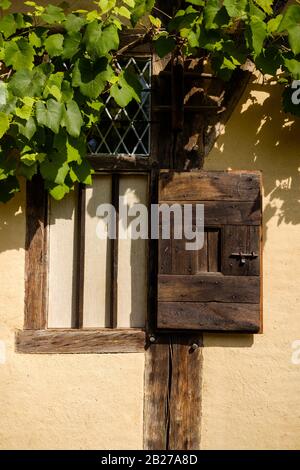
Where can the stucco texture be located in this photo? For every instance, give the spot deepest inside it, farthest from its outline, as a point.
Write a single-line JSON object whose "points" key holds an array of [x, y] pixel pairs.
{"points": [[59, 401], [251, 388]]}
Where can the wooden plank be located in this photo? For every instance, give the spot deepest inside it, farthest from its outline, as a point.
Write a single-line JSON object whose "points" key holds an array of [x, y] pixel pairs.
{"points": [[209, 316], [245, 239], [165, 256], [36, 255], [85, 341], [121, 163], [209, 186], [132, 256], [208, 288], [177, 84], [183, 261], [213, 251], [153, 258], [80, 255], [156, 395], [114, 256], [62, 255], [97, 262], [202, 257], [217, 213], [185, 392]]}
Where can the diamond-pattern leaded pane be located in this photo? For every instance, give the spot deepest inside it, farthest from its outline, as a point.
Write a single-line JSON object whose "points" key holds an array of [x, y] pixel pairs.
{"points": [[125, 131]]}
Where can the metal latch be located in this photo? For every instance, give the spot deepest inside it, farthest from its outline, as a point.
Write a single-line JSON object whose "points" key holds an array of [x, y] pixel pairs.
{"points": [[243, 256]]}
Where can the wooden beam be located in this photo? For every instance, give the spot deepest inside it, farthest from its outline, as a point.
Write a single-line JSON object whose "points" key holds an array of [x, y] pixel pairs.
{"points": [[114, 255], [185, 392], [36, 255], [87, 341], [80, 248], [121, 163], [172, 406], [156, 397]]}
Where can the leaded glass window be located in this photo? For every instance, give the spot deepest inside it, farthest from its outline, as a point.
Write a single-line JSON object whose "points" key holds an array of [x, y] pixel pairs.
{"points": [[125, 131]]}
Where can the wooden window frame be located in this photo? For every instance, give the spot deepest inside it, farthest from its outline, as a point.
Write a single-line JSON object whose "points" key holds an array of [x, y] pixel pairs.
{"points": [[35, 336]]}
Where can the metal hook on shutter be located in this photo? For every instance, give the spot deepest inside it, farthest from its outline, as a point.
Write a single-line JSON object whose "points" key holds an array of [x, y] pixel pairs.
{"points": [[243, 256]]}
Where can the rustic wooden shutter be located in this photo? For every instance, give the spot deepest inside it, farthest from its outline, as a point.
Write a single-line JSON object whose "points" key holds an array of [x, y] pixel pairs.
{"points": [[217, 288]]}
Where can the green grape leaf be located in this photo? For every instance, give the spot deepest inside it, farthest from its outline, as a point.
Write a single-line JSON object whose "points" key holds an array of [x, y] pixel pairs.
{"points": [[54, 45], [253, 10], [58, 191], [26, 110], [211, 13], [53, 15], [128, 87], [28, 82], [256, 34], [73, 119], [19, 54], [223, 66], [199, 3], [8, 188], [27, 171], [4, 123], [8, 25], [54, 170], [235, 8], [100, 41], [73, 147], [34, 40], [293, 66], [50, 114], [74, 23], [82, 172], [269, 60], [141, 8], [164, 45], [273, 24], [71, 45], [53, 86], [266, 5], [27, 128], [91, 78], [5, 4], [291, 23]]}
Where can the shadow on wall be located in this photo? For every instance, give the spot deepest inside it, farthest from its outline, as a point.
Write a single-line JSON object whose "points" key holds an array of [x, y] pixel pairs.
{"points": [[12, 223], [261, 136]]}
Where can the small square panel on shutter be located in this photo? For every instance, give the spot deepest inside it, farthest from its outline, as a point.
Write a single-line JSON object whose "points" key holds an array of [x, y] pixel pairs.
{"points": [[216, 288]]}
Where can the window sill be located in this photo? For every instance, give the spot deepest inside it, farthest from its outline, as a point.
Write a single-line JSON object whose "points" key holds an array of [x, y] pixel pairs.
{"points": [[85, 341]]}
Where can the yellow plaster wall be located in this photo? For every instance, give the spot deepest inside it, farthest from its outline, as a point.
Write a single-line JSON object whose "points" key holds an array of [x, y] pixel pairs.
{"points": [[59, 401], [251, 389]]}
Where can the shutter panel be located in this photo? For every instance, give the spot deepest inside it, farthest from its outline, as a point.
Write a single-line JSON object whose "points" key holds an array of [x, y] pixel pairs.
{"points": [[217, 288]]}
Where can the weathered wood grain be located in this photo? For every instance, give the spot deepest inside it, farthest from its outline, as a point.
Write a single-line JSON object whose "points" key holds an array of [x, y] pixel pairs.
{"points": [[156, 395], [213, 250], [209, 316], [245, 239], [36, 255], [219, 213], [121, 163], [85, 341], [208, 288], [209, 186], [185, 392]]}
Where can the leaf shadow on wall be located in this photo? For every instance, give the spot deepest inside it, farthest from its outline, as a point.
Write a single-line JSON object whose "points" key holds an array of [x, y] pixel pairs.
{"points": [[260, 136], [12, 223]]}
